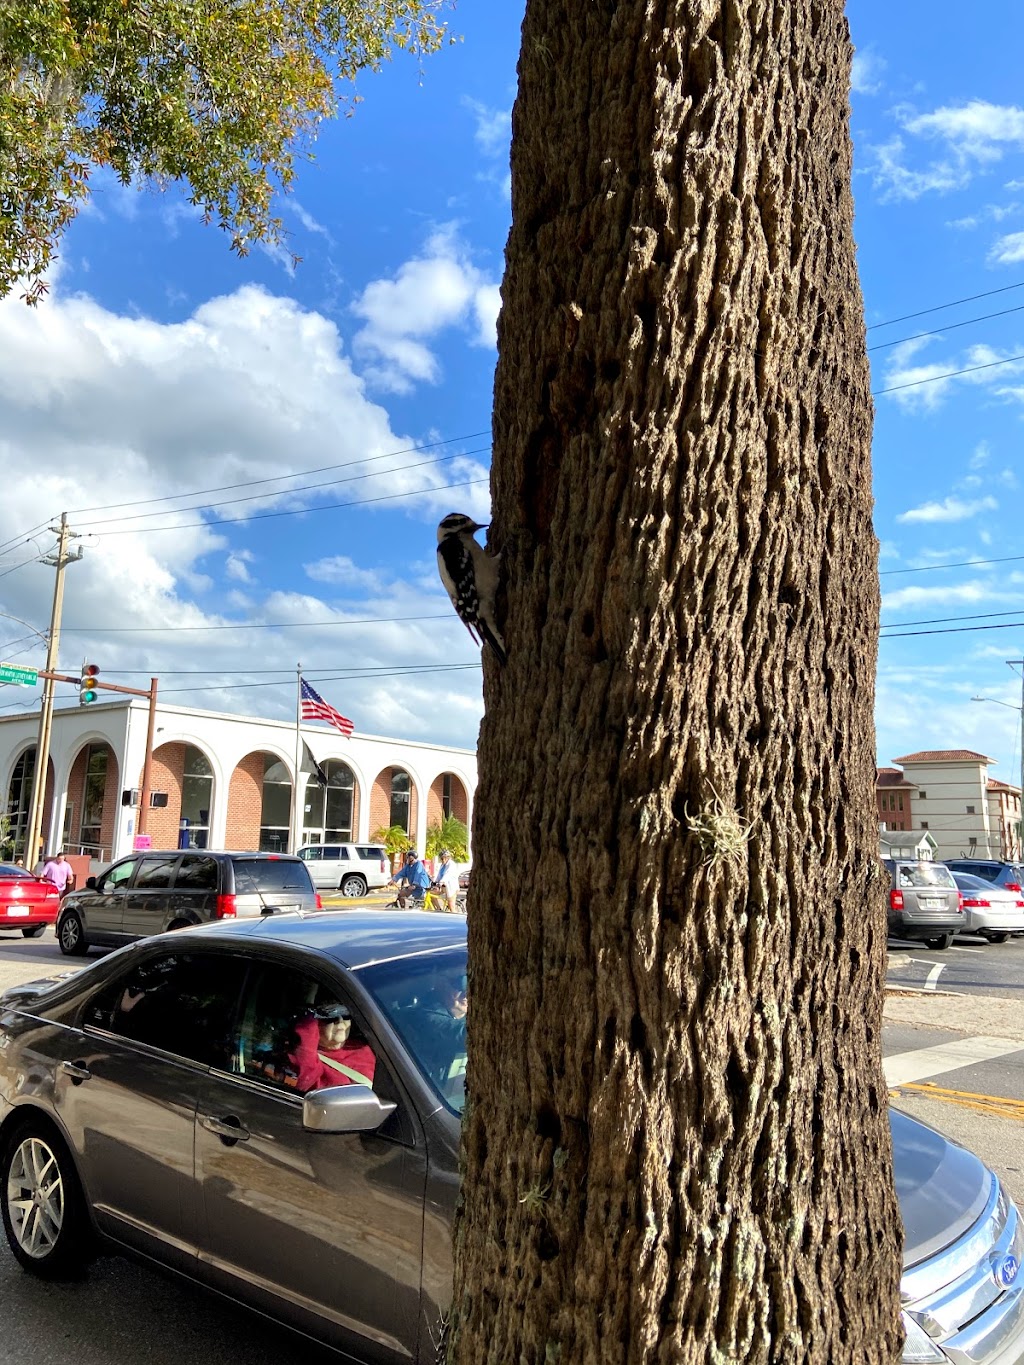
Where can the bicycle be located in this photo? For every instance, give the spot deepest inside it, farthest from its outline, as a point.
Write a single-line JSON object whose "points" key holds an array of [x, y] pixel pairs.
{"points": [[432, 899]]}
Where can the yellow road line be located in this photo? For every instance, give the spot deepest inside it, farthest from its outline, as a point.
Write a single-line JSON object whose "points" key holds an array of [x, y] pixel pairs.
{"points": [[999, 1106]]}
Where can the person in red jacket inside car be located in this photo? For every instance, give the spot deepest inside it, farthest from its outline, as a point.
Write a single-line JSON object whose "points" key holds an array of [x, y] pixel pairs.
{"points": [[324, 1055]]}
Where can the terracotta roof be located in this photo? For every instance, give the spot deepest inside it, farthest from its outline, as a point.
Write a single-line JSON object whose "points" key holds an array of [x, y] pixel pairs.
{"points": [[945, 756], [892, 777], [994, 785]]}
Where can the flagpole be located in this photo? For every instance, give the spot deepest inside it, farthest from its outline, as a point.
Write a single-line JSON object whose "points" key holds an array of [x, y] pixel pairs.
{"points": [[299, 794]]}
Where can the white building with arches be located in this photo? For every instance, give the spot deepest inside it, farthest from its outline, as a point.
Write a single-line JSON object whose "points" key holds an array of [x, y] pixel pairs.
{"points": [[222, 781]]}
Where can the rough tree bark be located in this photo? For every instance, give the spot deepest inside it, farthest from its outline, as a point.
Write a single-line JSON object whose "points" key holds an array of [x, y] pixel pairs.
{"points": [[676, 1146]]}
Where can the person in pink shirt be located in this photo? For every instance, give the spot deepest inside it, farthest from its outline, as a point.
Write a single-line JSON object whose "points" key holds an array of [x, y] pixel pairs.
{"points": [[59, 871]]}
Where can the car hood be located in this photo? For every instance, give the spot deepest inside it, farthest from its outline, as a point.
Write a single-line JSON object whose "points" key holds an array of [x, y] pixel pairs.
{"points": [[943, 1189]]}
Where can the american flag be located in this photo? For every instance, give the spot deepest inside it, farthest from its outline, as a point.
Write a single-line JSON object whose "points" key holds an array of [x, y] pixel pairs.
{"points": [[315, 708]]}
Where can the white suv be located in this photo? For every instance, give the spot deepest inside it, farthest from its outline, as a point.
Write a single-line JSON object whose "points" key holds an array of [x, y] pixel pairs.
{"points": [[352, 869]]}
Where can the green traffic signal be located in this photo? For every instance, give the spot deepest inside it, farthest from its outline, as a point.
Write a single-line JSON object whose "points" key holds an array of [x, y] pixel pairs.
{"points": [[88, 690]]}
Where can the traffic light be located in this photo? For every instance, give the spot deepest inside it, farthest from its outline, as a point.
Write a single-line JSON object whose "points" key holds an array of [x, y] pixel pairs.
{"points": [[88, 691]]}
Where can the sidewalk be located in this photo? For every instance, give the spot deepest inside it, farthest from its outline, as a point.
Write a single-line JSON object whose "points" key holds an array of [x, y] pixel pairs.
{"points": [[991, 1016]]}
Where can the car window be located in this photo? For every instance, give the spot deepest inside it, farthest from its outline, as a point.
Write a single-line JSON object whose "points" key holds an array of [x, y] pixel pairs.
{"points": [[968, 882], [184, 1003], [916, 875], [117, 875], [9, 871], [334, 852], [312, 855], [155, 873], [253, 875], [197, 874], [424, 999], [297, 1034], [365, 851]]}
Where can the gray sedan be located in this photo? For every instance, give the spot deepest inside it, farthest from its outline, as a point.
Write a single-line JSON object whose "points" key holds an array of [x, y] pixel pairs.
{"points": [[272, 1107]]}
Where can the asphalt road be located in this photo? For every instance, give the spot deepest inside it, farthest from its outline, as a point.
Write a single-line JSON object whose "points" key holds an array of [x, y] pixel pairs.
{"points": [[970, 966], [969, 1086]]}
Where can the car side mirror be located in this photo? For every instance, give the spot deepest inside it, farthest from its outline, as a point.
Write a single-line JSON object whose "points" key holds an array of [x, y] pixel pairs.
{"points": [[345, 1109], [90, 883]]}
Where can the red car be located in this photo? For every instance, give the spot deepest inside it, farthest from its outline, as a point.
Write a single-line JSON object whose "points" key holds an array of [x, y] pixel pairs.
{"points": [[26, 902]]}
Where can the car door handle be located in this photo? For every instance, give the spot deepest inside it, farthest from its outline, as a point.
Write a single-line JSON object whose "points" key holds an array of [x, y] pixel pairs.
{"points": [[77, 1072], [229, 1130]]}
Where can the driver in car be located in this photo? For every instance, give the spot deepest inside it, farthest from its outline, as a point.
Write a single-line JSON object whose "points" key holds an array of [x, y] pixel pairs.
{"points": [[326, 1054]]}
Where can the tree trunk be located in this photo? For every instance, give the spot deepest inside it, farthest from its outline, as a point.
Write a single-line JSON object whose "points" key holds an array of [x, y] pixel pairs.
{"points": [[676, 1146]]}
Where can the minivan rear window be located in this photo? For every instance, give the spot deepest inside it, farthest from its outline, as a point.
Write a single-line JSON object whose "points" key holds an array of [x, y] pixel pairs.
{"points": [[925, 874], [253, 875]]}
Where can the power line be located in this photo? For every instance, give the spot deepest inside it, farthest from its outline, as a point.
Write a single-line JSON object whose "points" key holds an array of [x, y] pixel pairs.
{"points": [[292, 512], [941, 620], [283, 492], [952, 564], [971, 298], [952, 374], [254, 625], [952, 630], [950, 327]]}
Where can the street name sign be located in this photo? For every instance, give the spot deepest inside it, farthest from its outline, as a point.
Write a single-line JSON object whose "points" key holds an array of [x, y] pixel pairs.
{"points": [[14, 673]]}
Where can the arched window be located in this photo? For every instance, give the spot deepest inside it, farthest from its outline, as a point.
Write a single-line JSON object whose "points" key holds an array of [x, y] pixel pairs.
{"points": [[401, 799], [19, 798], [328, 814], [196, 796], [275, 817]]}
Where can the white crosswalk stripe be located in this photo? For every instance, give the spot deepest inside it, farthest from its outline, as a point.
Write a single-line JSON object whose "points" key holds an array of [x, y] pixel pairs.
{"points": [[924, 1062]]}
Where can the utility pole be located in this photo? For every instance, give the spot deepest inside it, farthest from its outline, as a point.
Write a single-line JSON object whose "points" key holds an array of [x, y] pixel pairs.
{"points": [[1019, 663], [58, 559]]}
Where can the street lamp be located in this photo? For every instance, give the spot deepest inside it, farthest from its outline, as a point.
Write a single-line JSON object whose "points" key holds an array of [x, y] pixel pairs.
{"points": [[1020, 712]]}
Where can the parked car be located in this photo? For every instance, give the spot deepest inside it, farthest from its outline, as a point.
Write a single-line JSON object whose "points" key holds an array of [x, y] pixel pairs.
{"points": [[924, 903], [26, 902], [352, 869], [149, 892], [990, 910], [1010, 876], [159, 1090]]}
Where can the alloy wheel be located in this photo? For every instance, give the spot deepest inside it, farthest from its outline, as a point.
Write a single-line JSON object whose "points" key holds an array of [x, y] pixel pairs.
{"points": [[35, 1197]]}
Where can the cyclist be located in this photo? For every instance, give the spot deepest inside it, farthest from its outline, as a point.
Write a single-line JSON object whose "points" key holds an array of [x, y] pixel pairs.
{"points": [[447, 880], [416, 879]]}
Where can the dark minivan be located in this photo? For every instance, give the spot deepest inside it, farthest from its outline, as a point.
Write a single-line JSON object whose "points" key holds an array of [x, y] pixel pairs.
{"points": [[924, 902], [147, 893], [1010, 876]]}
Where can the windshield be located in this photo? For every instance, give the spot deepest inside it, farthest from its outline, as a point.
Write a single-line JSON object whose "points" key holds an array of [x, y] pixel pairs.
{"points": [[8, 870], [424, 999], [925, 874]]}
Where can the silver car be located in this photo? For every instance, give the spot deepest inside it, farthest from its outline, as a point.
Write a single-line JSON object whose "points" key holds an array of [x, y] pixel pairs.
{"points": [[990, 910], [352, 869], [272, 1107]]}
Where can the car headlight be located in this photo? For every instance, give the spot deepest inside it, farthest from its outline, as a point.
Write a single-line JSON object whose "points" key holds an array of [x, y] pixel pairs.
{"points": [[919, 1349]]}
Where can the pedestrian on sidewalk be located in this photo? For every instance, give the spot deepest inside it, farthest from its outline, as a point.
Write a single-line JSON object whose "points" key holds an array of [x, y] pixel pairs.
{"points": [[59, 871]]}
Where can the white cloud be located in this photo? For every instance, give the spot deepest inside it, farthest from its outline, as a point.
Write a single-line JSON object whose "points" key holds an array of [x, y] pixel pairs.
{"points": [[439, 289], [943, 595], [949, 509], [493, 127], [926, 384], [865, 77], [1008, 250], [971, 137], [98, 408], [343, 571], [237, 566]]}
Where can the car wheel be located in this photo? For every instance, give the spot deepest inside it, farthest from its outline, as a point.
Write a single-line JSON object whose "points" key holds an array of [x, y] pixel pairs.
{"points": [[44, 1213], [997, 938], [32, 930], [179, 924], [353, 886], [71, 935], [940, 942]]}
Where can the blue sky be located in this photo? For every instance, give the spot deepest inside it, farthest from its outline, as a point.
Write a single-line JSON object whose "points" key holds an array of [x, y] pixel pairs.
{"points": [[162, 364]]}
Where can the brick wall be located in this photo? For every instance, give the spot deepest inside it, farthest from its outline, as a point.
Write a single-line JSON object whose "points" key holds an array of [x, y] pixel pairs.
{"points": [[111, 804], [76, 794], [245, 803], [380, 803], [167, 773]]}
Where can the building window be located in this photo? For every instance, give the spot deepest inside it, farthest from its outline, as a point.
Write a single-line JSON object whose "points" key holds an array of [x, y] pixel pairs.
{"points": [[19, 797], [924, 824], [90, 831], [276, 813], [970, 810], [446, 797], [924, 797], [401, 799], [901, 800], [328, 813], [196, 798]]}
